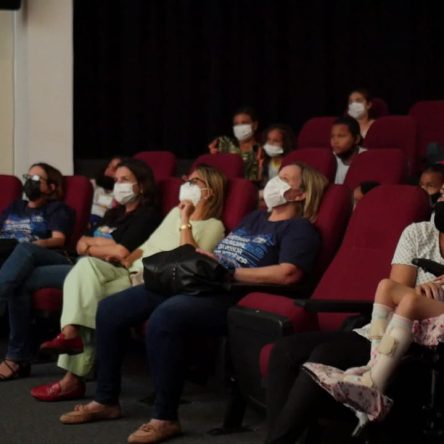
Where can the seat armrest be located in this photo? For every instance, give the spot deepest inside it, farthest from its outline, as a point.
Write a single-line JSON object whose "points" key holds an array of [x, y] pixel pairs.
{"points": [[291, 291], [334, 305]]}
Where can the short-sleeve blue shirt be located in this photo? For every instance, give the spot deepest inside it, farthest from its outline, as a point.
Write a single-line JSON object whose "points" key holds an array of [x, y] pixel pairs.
{"points": [[257, 242], [26, 224]]}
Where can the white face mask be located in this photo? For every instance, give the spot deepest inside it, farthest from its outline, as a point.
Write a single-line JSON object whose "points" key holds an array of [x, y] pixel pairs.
{"points": [[190, 191], [274, 192], [243, 132], [356, 109], [273, 150], [124, 193]]}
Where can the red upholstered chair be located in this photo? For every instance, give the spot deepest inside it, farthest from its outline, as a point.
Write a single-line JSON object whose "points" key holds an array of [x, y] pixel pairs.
{"points": [[78, 196], [320, 158], [395, 132], [316, 133], [169, 193], [429, 115], [379, 108], [11, 189], [241, 199], [362, 261], [386, 166], [230, 164], [163, 163]]}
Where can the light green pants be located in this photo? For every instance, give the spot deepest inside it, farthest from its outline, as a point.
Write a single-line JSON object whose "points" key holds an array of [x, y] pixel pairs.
{"points": [[90, 281]]}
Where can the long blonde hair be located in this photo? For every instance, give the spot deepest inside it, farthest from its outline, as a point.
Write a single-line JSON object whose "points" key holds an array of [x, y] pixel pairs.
{"points": [[313, 183], [217, 183]]}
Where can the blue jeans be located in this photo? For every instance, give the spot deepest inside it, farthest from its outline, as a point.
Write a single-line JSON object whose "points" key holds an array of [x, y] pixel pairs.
{"points": [[171, 321], [28, 268]]}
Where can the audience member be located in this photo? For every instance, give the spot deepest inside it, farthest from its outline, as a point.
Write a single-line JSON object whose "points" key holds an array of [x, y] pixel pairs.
{"points": [[359, 104], [194, 221], [103, 185], [277, 247], [345, 141], [245, 126], [31, 266], [431, 181]]}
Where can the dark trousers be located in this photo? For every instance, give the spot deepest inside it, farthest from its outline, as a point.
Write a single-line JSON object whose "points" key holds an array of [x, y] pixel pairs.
{"points": [[294, 400], [171, 321]]}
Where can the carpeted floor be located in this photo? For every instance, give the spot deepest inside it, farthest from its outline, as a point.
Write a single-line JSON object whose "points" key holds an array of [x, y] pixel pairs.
{"points": [[27, 421]]}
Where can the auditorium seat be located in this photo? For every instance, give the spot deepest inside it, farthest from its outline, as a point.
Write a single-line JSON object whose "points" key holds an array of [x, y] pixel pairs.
{"points": [[163, 163], [429, 115], [316, 133], [230, 164], [363, 259], [395, 132], [11, 189], [386, 166], [319, 158], [379, 108], [78, 195]]}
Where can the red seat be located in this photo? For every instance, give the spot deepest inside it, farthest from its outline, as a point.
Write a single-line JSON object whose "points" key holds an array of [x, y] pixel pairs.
{"points": [[395, 132], [78, 194], [429, 115], [379, 108], [11, 190], [230, 164], [320, 158], [363, 259], [386, 166], [169, 192], [316, 133], [163, 163]]}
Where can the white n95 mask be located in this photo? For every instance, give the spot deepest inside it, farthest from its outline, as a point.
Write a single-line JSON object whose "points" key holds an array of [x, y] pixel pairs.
{"points": [[243, 132], [190, 191], [273, 150], [356, 109], [124, 193], [274, 192]]}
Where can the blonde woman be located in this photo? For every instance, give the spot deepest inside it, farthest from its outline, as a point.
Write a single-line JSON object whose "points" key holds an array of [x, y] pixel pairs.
{"points": [[194, 221]]}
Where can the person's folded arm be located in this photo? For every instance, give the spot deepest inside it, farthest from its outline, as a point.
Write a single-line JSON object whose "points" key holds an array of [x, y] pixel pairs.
{"points": [[116, 252], [57, 240], [281, 274]]}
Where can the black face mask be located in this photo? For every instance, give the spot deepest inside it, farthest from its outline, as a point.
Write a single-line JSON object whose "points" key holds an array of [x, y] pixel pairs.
{"points": [[434, 198], [105, 182], [439, 216], [32, 189]]}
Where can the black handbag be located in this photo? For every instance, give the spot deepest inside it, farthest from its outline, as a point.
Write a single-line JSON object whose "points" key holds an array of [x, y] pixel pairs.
{"points": [[183, 270]]}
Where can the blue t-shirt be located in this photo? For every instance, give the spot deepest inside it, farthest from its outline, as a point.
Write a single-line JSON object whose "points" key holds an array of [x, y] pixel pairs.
{"points": [[257, 242], [26, 224]]}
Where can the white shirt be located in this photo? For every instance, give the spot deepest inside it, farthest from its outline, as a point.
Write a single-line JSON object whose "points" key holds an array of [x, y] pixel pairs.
{"points": [[342, 168]]}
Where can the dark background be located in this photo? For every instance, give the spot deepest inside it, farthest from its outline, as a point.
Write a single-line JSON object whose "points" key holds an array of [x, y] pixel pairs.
{"points": [[165, 74]]}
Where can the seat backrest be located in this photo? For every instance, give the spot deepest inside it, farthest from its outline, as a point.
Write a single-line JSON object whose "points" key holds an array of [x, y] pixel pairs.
{"points": [[11, 189], [395, 132], [169, 193], [78, 195], [379, 108], [230, 164], [365, 255], [429, 115], [241, 199], [320, 158], [163, 163], [386, 166], [334, 213], [316, 133]]}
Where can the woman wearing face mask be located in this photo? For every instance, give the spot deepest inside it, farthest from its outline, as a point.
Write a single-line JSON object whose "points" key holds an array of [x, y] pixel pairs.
{"points": [[31, 267], [345, 139], [194, 221], [272, 247], [279, 141], [245, 126], [359, 105]]}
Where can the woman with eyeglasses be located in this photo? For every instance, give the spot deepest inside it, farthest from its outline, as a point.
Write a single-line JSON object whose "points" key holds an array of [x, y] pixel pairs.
{"points": [[194, 221], [31, 266]]}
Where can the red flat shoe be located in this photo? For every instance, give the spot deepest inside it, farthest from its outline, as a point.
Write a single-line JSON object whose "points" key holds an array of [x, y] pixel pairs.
{"points": [[53, 392], [62, 345]]}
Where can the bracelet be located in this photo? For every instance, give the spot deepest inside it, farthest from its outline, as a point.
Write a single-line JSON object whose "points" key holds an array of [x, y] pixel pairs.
{"points": [[185, 227]]}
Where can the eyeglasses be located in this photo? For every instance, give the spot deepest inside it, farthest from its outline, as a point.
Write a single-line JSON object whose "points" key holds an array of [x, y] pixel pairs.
{"points": [[196, 180], [34, 177]]}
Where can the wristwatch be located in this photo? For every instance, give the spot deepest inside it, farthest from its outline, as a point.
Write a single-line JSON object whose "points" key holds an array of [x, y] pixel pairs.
{"points": [[185, 227]]}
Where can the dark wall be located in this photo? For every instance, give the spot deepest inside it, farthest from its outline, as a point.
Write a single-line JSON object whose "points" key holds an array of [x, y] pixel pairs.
{"points": [[168, 74]]}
